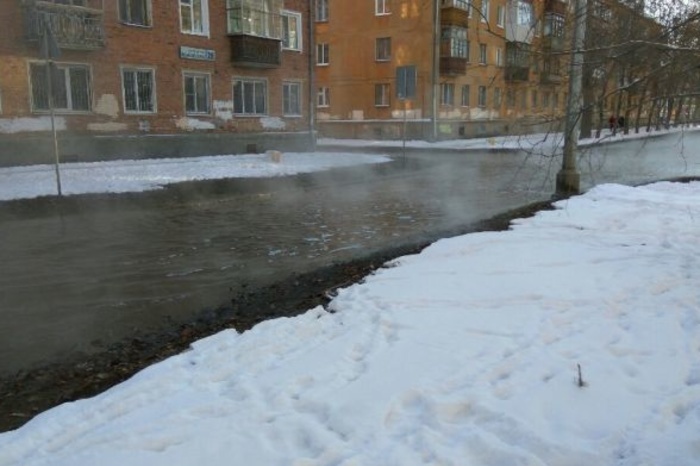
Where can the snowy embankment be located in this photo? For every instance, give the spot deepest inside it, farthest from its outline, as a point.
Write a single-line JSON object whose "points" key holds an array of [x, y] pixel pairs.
{"points": [[465, 354], [122, 176]]}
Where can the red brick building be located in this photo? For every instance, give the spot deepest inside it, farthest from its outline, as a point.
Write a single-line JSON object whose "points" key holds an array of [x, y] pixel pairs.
{"points": [[216, 76]]}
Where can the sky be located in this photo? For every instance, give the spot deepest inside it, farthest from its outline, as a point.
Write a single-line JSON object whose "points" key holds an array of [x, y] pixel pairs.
{"points": [[572, 339]]}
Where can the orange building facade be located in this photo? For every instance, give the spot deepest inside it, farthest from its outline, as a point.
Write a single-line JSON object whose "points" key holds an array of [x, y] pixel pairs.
{"points": [[481, 67]]}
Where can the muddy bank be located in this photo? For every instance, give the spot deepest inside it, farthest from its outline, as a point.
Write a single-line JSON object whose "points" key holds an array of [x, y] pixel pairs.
{"points": [[33, 391]]}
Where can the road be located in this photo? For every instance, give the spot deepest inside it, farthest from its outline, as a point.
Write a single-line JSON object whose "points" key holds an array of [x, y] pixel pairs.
{"points": [[83, 274]]}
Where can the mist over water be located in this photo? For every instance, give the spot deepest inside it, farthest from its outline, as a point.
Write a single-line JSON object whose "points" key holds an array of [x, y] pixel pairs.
{"points": [[84, 274]]}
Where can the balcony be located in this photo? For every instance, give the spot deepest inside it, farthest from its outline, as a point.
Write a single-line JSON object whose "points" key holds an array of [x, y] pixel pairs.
{"points": [[453, 66], [453, 16], [255, 52], [555, 6], [515, 73], [549, 78], [74, 27]]}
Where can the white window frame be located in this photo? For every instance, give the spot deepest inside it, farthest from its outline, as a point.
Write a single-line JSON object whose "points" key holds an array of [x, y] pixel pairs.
{"points": [[485, 7], [483, 54], [501, 16], [466, 95], [323, 52], [499, 57], [323, 97], [290, 16], [447, 94], [382, 95], [482, 96], [65, 68], [382, 7], [259, 18], [286, 86], [321, 11], [126, 18], [196, 75], [255, 112], [137, 69], [204, 12], [377, 49]]}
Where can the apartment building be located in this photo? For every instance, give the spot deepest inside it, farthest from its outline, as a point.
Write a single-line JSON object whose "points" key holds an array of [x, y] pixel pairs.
{"points": [[470, 67], [153, 77]]}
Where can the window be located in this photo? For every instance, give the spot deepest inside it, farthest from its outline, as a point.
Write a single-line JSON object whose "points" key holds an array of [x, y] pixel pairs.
{"points": [[291, 96], [381, 7], [197, 92], [254, 17], [534, 99], [482, 96], [70, 83], [499, 56], [466, 90], [555, 100], [461, 4], [510, 98], [500, 16], [323, 97], [525, 16], [546, 99], [291, 30], [497, 98], [454, 42], [249, 96], [482, 54], [321, 10], [138, 86], [485, 11], [447, 94], [381, 95], [135, 12], [523, 99], [322, 57], [194, 17], [383, 49], [553, 25]]}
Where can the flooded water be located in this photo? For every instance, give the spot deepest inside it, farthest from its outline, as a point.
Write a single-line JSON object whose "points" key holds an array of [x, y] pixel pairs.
{"points": [[80, 276]]}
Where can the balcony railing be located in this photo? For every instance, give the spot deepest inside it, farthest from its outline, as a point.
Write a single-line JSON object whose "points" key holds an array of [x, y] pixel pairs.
{"points": [[453, 66], [453, 16], [517, 73], [254, 51], [73, 27]]}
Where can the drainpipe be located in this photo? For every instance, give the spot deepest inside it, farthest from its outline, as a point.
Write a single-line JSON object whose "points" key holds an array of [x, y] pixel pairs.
{"points": [[312, 76], [436, 67]]}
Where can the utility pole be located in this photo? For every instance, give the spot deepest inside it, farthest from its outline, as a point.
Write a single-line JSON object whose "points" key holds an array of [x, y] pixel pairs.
{"points": [[568, 178], [49, 51], [436, 68]]}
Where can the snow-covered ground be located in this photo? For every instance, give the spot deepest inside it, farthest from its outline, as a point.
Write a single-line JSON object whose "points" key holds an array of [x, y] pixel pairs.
{"points": [[141, 175], [465, 354]]}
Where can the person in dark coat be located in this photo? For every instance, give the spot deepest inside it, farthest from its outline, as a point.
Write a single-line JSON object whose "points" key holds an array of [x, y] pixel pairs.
{"points": [[621, 122]]}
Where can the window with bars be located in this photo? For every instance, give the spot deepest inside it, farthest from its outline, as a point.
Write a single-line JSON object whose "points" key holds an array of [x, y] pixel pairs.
{"points": [[70, 85], [249, 96], [135, 12], [138, 86], [553, 25], [291, 98], [197, 93], [383, 49], [382, 95], [194, 17]]}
